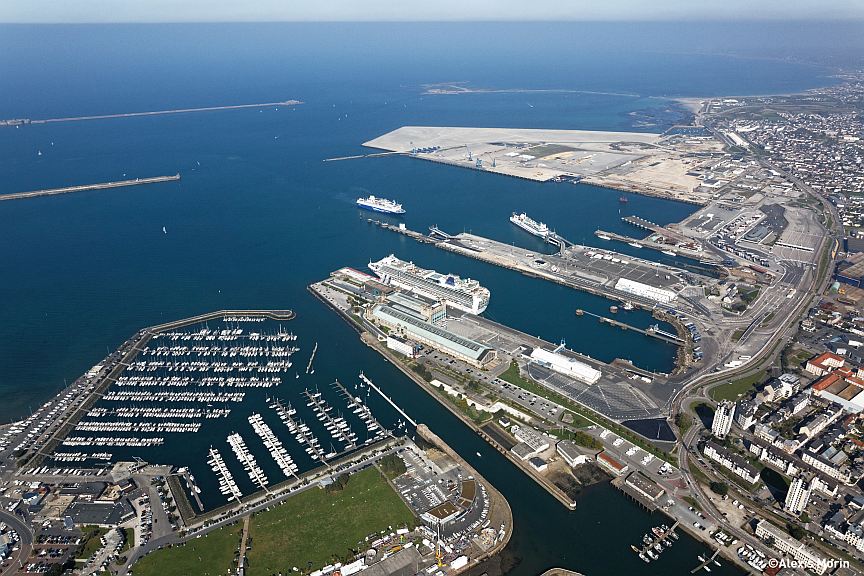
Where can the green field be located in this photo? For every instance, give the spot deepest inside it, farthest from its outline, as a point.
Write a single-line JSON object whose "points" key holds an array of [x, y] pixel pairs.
{"points": [[210, 555], [735, 388], [91, 536], [317, 526]]}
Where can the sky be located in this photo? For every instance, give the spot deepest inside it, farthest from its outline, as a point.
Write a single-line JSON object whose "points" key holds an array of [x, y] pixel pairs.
{"points": [[82, 11]]}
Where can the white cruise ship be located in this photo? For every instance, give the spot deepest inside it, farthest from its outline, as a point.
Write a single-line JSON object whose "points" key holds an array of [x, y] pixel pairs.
{"points": [[531, 226], [460, 293], [380, 205]]}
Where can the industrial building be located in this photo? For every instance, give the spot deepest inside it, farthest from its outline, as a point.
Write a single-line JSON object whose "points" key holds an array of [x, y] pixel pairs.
{"points": [[531, 442], [611, 465], [565, 365], [413, 328], [570, 453]]}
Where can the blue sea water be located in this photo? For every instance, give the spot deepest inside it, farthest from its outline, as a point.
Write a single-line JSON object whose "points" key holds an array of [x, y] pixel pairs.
{"points": [[257, 215]]}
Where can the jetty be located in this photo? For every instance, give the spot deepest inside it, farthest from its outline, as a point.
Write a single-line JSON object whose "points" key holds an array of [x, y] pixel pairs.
{"points": [[26, 121], [86, 187], [653, 331]]}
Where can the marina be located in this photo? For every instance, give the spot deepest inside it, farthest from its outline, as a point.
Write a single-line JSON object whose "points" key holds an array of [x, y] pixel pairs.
{"points": [[247, 460], [226, 374], [274, 446]]}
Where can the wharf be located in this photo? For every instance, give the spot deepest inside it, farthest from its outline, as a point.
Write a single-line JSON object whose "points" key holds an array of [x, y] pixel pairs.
{"points": [[644, 224], [653, 245], [651, 331], [574, 267], [86, 187]]}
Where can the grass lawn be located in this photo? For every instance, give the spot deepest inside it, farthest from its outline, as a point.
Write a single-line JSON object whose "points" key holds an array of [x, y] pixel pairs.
{"points": [[735, 388], [92, 536], [206, 556], [315, 526]]}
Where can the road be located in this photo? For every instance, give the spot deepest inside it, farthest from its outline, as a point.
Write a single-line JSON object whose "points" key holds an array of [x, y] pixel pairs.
{"points": [[26, 545]]}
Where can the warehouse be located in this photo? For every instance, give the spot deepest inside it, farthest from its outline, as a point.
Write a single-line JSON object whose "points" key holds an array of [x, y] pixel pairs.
{"points": [[645, 290], [567, 366]]}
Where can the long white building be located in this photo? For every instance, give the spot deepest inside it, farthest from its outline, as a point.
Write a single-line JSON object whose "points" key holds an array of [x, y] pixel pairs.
{"points": [[565, 365], [645, 290]]}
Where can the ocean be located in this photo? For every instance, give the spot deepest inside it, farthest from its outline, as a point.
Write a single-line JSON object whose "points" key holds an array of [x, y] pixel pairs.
{"points": [[258, 215]]}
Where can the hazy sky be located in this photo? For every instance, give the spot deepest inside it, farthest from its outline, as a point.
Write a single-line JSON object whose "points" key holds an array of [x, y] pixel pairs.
{"points": [[380, 10]]}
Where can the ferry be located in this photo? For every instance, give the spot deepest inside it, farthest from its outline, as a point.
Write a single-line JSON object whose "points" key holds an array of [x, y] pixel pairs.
{"points": [[530, 225], [380, 205], [462, 293], [669, 252], [635, 244], [603, 237]]}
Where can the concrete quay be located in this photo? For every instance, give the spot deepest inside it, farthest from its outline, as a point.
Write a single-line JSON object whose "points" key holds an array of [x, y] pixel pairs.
{"points": [[86, 187], [578, 267]]}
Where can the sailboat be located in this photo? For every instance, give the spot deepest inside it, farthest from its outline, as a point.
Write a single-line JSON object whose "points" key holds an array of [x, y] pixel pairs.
{"points": [[164, 231]]}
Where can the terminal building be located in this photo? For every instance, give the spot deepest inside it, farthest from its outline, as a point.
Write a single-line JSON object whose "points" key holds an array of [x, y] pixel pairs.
{"points": [[645, 290], [566, 365], [411, 327]]}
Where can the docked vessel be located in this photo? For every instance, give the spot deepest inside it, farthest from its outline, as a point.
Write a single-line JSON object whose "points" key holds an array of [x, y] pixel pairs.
{"points": [[603, 237], [530, 225], [380, 205], [461, 293]]}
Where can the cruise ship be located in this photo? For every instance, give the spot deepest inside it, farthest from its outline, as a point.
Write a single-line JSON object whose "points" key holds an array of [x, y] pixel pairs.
{"points": [[380, 205], [460, 293], [531, 226]]}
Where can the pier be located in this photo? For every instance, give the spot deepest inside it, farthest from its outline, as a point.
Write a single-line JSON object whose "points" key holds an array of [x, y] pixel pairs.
{"points": [[706, 562], [86, 187], [653, 331], [26, 121], [644, 224], [387, 398]]}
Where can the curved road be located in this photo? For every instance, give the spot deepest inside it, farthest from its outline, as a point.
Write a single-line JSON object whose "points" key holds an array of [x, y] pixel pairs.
{"points": [[25, 545]]}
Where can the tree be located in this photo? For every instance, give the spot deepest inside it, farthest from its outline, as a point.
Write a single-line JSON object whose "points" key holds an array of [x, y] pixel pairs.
{"points": [[795, 531], [720, 488]]}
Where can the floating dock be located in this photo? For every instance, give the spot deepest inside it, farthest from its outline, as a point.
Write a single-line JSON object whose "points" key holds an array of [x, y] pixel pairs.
{"points": [[86, 187], [653, 330]]}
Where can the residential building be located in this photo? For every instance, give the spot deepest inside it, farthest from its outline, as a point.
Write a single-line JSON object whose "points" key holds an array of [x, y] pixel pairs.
{"points": [[745, 413], [723, 418], [780, 540], [798, 496], [824, 363], [731, 461]]}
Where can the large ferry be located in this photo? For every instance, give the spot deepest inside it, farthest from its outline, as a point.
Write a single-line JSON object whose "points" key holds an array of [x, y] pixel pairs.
{"points": [[380, 205], [462, 293], [531, 226]]}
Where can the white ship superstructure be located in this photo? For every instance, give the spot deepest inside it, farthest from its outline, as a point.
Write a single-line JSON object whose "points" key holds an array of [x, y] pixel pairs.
{"points": [[462, 293], [380, 205], [530, 225]]}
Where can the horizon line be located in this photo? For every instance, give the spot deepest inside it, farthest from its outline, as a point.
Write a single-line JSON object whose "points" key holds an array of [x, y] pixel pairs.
{"points": [[826, 20]]}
